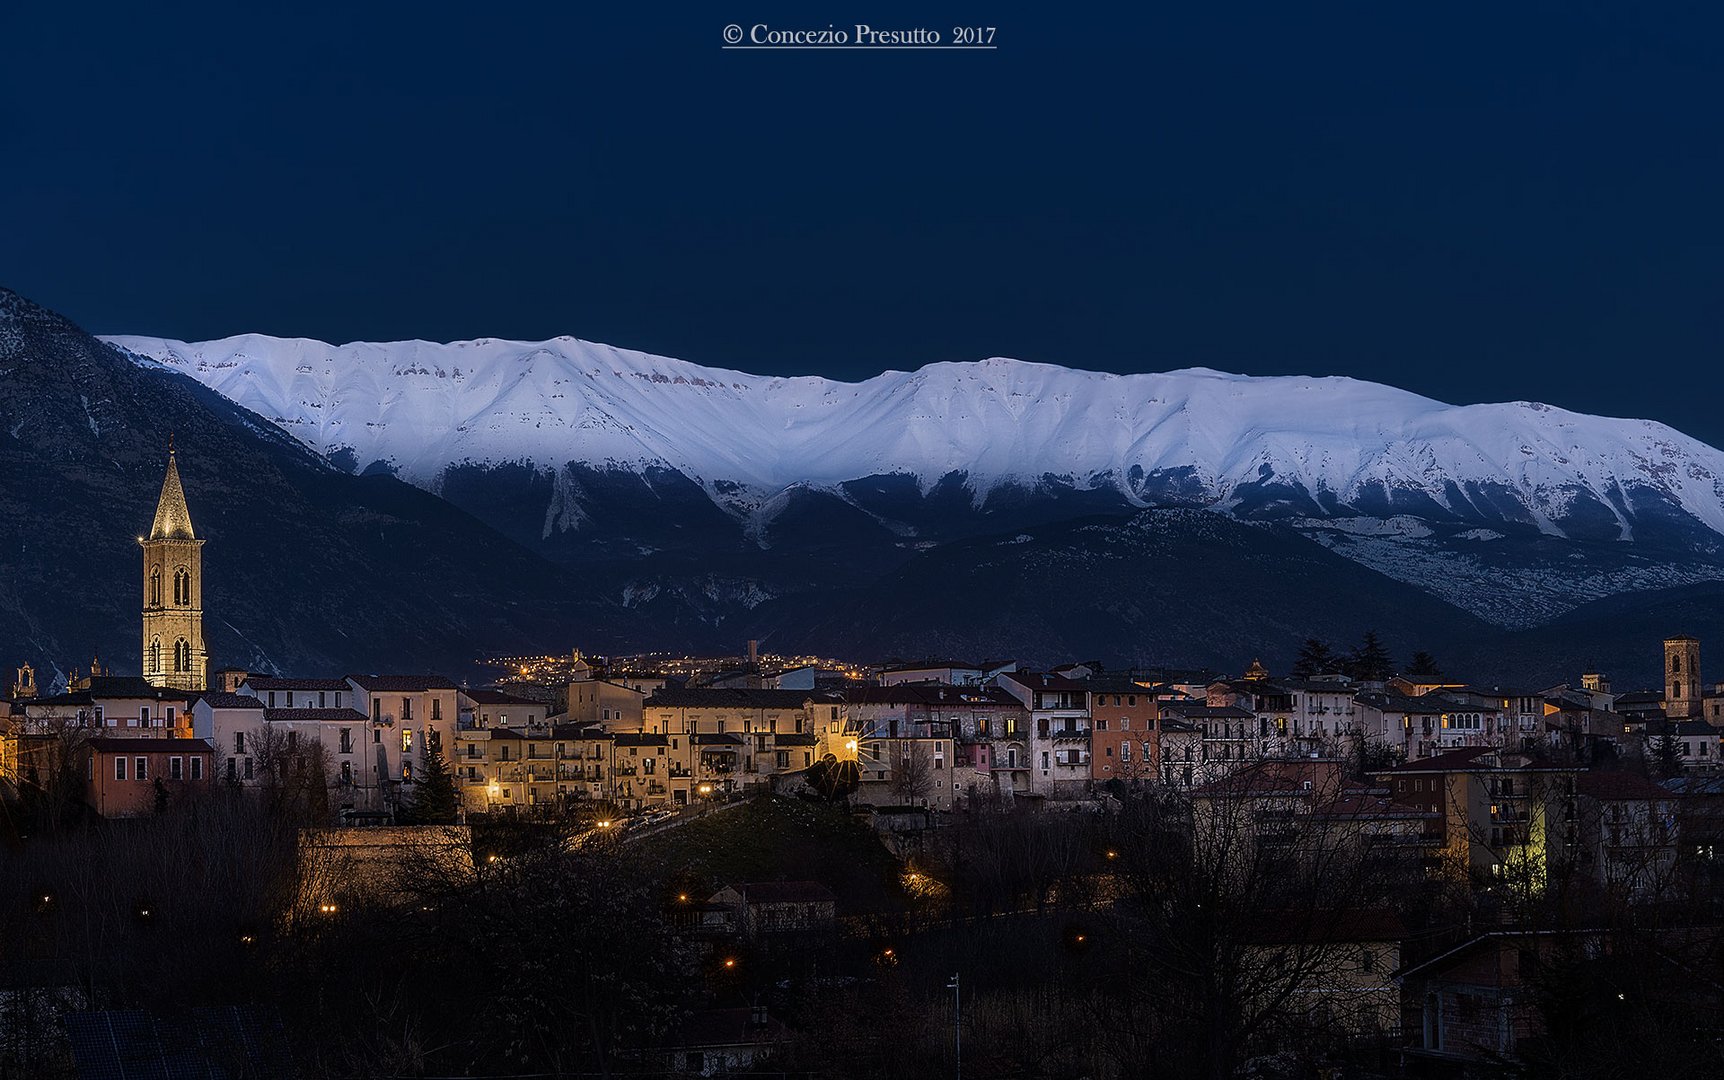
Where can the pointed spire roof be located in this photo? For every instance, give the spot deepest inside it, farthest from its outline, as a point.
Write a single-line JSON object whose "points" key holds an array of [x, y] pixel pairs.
{"points": [[173, 520]]}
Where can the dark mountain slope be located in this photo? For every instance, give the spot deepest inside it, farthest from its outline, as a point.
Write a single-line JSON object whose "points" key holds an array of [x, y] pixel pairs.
{"points": [[306, 568], [1164, 587]]}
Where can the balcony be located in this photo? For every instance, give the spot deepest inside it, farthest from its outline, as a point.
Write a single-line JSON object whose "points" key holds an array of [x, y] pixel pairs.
{"points": [[1070, 733]]}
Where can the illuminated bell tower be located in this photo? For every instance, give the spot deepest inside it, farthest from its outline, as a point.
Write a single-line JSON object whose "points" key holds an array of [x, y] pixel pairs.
{"points": [[1682, 677], [174, 654]]}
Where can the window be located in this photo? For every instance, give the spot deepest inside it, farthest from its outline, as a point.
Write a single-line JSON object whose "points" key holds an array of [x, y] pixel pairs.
{"points": [[176, 768], [406, 708], [347, 740], [406, 740], [406, 772], [376, 735], [337, 699], [239, 742], [119, 768], [248, 769], [322, 698], [197, 767], [436, 708], [182, 655], [156, 587], [347, 772], [376, 710], [232, 770], [142, 767], [170, 716], [101, 716], [156, 644], [144, 717]]}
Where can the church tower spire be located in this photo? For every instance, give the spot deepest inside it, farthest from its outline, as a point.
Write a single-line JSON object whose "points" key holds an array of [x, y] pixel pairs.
{"points": [[174, 654]]}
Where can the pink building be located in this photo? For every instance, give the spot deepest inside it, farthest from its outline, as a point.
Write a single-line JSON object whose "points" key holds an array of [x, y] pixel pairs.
{"points": [[127, 777]]}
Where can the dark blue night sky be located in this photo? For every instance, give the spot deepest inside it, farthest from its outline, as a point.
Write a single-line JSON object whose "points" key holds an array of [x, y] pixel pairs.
{"points": [[1475, 201]]}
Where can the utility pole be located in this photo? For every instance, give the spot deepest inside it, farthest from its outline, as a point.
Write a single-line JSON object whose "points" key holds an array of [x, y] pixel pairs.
{"points": [[957, 1026]]}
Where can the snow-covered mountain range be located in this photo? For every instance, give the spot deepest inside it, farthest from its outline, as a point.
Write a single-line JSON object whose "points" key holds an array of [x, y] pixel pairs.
{"points": [[1289, 447]]}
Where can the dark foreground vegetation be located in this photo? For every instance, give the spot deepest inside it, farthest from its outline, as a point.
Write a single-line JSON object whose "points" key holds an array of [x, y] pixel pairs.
{"points": [[1153, 937]]}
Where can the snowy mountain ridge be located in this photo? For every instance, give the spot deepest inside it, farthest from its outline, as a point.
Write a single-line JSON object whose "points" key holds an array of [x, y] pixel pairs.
{"points": [[1259, 446]]}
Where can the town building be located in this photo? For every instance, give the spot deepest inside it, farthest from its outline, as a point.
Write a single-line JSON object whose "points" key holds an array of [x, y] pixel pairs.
{"points": [[1059, 730], [1504, 814], [1125, 744], [131, 776], [173, 618]]}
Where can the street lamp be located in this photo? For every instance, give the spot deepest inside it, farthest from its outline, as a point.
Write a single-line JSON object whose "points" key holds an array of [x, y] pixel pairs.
{"points": [[957, 1026]]}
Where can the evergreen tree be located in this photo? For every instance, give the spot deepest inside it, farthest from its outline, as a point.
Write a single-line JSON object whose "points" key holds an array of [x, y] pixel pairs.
{"points": [[435, 800], [1370, 661], [1315, 658], [1424, 666], [1667, 754]]}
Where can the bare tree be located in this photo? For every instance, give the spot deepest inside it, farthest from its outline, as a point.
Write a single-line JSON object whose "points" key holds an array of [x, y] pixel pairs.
{"points": [[912, 771]]}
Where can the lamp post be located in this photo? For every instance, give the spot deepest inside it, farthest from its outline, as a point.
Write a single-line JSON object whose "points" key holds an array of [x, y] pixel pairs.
{"points": [[957, 1028]]}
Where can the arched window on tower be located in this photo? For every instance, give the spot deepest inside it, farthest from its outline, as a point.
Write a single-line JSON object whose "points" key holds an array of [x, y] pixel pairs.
{"points": [[182, 587], [156, 587], [182, 655], [1676, 665], [155, 656]]}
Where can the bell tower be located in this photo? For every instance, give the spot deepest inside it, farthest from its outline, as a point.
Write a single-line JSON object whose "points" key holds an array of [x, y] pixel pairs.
{"points": [[174, 654], [1682, 677]]}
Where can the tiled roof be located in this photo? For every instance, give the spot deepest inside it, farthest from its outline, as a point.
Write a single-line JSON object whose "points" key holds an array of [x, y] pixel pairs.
{"points": [[1616, 786], [401, 684], [351, 716], [1038, 681], [257, 682], [499, 697], [929, 694], [785, 892], [231, 701], [725, 698], [117, 745]]}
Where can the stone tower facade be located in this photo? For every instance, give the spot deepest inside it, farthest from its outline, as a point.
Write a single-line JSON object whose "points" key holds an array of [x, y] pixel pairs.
{"points": [[1682, 677], [174, 654]]}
